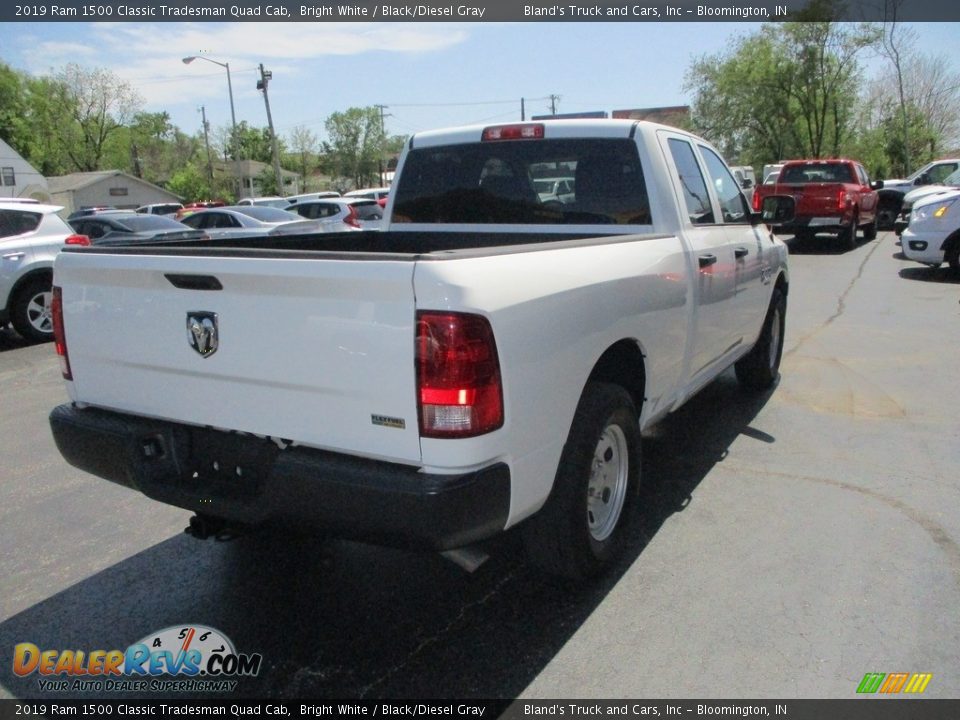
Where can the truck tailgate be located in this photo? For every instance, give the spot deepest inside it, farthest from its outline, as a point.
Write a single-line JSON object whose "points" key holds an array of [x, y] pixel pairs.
{"points": [[316, 350], [816, 198]]}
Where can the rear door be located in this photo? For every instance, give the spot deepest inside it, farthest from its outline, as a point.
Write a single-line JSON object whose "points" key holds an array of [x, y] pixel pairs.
{"points": [[749, 302], [713, 254], [308, 349]]}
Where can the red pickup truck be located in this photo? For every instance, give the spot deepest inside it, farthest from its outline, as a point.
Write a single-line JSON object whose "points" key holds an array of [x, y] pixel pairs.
{"points": [[832, 196]]}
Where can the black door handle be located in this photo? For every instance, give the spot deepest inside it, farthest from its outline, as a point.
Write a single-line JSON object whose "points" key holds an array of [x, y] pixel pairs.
{"points": [[707, 260], [741, 252]]}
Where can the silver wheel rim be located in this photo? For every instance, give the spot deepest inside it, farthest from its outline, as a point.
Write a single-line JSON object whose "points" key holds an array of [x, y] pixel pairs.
{"points": [[774, 338], [607, 489], [38, 312]]}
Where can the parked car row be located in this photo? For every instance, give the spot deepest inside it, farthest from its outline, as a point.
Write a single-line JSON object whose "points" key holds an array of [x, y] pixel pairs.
{"points": [[932, 234], [32, 233], [836, 196]]}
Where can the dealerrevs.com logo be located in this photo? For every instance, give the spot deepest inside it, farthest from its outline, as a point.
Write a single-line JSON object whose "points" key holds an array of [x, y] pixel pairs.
{"points": [[184, 658], [893, 683]]}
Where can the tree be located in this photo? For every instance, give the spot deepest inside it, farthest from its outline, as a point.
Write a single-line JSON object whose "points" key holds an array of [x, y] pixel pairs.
{"points": [[13, 103], [787, 90], [356, 145], [191, 183], [304, 146], [825, 84], [96, 104], [251, 143], [897, 45]]}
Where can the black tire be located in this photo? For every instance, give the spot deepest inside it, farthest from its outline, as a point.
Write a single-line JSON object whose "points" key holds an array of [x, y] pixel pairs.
{"points": [[848, 235], [585, 520], [870, 231], [759, 368], [30, 312], [953, 257]]}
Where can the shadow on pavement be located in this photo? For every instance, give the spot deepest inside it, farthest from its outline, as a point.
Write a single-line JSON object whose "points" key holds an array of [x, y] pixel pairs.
{"points": [[819, 245], [943, 274], [10, 340], [335, 619]]}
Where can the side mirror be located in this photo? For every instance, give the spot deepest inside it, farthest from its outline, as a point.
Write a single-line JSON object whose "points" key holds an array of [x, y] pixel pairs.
{"points": [[877, 185], [922, 180], [746, 184], [778, 209]]}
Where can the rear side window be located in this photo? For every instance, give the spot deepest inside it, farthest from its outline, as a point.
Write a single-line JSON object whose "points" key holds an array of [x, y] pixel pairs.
{"points": [[17, 222], [695, 194], [495, 183], [732, 203], [368, 210]]}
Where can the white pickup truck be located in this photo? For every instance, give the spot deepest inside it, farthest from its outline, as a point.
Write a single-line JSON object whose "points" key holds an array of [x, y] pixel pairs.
{"points": [[486, 360]]}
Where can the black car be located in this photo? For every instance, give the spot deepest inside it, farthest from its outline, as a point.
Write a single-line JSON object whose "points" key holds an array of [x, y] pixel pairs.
{"points": [[116, 228]]}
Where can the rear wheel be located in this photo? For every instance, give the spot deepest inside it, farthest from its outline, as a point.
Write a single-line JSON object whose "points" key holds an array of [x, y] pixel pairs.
{"points": [[870, 231], [585, 520], [30, 314], [759, 368], [848, 235]]}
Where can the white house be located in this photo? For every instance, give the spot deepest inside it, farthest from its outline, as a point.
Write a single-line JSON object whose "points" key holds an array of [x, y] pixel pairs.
{"points": [[18, 178]]}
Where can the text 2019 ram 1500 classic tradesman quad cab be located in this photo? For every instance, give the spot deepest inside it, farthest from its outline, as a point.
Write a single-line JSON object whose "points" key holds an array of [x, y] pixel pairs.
{"points": [[486, 360]]}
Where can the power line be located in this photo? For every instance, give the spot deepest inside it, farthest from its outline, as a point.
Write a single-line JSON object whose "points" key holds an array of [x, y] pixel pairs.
{"points": [[468, 104]]}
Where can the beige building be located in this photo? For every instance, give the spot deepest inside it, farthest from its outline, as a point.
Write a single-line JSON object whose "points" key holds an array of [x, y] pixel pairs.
{"points": [[105, 188]]}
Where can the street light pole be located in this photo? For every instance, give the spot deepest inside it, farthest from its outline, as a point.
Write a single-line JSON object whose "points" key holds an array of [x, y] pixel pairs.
{"points": [[206, 141], [233, 114], [265, 77]]}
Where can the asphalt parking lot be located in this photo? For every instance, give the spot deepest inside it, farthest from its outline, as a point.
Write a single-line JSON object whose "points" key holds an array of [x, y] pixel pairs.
{"points": [[790, 543]]}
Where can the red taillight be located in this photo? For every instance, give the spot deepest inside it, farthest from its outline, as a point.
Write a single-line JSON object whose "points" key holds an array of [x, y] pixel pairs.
{"points": [[81, 240], [842, 200], [59, 336], [458, 376], [525, 131], [352, 218], [756, 201]]}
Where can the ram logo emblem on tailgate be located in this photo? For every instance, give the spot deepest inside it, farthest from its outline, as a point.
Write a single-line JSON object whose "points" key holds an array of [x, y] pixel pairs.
{"points": [[202, 332]]}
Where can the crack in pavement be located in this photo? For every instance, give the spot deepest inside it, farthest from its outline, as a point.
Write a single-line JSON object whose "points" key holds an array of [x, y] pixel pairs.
{"points": [[937, 534], [436, 636], [841, 303]]}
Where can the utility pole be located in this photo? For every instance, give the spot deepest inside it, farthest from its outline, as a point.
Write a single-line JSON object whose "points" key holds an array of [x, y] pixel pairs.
{"points": [[206, 141], [523, 109], [265, 77], [553, 104], [383, 137]]}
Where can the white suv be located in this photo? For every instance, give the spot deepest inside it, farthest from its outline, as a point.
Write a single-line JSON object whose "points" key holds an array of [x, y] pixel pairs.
{"points": [[933, 235], [31, 235]]}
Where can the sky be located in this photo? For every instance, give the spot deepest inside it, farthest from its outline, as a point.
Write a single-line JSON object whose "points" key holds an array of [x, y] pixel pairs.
{"points": [[428, 75]]}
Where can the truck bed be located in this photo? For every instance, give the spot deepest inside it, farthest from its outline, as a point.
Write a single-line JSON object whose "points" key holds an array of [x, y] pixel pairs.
{"points": [[394, 242]]}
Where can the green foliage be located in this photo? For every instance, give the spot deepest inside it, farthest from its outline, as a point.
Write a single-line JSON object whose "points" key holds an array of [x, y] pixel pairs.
{"points": [[267, 182], [789, 90], [252, 143], [357, 145], [12, 101], [191, 183]]}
